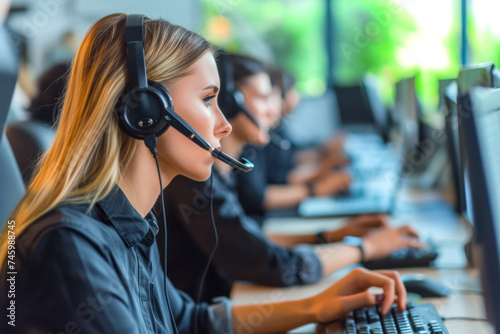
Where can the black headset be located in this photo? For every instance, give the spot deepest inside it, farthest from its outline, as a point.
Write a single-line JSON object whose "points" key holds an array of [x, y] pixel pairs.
{"points": [[146, 110], [231, 100]]}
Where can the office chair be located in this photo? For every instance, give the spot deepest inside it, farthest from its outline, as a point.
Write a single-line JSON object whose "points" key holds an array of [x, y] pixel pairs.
{"points": [[29, 140], [10, 177]]}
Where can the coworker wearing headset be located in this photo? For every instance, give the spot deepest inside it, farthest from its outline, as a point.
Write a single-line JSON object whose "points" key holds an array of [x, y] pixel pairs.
{"points": [[285, 174], [244, 252], [85, 251]]}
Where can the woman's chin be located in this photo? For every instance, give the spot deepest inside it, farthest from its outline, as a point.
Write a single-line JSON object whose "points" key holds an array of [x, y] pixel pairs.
{"points": [[263, 139], [260, 139], [201, 175]]}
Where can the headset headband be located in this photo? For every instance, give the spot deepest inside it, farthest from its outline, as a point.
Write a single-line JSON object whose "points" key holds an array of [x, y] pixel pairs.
{"points": [[227, 73], [134, 35], [233, 100]]}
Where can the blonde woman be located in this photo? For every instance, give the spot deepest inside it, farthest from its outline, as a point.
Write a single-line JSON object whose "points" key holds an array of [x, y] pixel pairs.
{"points": [[86, 260]]}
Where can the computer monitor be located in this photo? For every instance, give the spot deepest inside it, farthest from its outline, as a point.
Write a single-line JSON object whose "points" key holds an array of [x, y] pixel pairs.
{"points": [[406, 112], [481, 134], [483, 75], [477, 75], [451, 129], [354, 106], [443, 86]]}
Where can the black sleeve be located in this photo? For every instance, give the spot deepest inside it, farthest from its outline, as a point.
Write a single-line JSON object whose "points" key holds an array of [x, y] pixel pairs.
{"points": [[278, 163], [244, 252], [251, 186], [212, 319], [68, 286]]}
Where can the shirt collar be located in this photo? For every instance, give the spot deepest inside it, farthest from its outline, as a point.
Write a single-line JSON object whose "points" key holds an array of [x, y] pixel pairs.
{"points": [[228, 180], [130, 225]]}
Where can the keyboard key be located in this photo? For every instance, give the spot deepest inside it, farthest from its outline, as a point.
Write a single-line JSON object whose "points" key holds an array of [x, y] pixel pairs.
{"points": [[419, 319]]}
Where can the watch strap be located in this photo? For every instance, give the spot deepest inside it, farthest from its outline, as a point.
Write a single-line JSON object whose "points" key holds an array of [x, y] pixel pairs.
{"points": [[320, 238]]}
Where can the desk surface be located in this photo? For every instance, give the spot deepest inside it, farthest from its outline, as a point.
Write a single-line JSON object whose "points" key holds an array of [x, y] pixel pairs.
{"points": [[433, 219]]}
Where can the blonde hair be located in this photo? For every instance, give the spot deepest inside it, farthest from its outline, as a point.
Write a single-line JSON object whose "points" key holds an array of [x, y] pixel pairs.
{"points": [[89, 150]]}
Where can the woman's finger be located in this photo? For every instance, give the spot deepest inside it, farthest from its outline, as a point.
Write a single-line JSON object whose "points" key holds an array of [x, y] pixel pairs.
{"points": [[407, 229], [361, 299], [399, 286], [413, 243], [364, 279]]}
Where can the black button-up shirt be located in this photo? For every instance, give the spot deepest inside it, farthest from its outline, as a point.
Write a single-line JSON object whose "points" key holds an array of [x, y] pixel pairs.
{"points": [[97, 270], [272, 165], [243, 253]]}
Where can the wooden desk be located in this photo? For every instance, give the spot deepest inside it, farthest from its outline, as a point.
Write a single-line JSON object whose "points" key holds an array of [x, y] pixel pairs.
{"points": [[433, 219]]}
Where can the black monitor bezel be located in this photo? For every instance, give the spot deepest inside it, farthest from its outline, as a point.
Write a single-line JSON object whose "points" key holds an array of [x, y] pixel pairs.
{"points": [[486, 243]]}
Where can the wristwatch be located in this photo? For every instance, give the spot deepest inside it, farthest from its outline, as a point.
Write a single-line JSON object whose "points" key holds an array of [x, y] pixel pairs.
{"points": [[321, 238], [310, 189], [356, 242]]}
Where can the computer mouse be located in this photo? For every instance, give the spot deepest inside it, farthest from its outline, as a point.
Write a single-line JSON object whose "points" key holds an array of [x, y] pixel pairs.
{"points": [[425, 286]]}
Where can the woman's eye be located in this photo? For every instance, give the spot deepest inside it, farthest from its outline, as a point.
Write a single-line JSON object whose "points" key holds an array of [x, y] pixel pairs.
{"points": [[208, 99]]}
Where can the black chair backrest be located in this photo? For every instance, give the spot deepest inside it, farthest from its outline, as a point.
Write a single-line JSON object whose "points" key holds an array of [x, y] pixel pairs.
{"points": [[12, 187], [29, 140]]}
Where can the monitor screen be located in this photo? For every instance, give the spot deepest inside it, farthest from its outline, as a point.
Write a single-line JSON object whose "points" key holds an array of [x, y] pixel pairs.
{"points": [[406, 111], [481, 134], [483, 75], [454, 153], [443, 86], [354, 105], [469, 77]]}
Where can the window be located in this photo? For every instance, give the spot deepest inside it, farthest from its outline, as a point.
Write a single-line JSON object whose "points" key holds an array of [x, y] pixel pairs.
{"points": [[484, 31], [390, 39], [393, 39], [287, 33]]}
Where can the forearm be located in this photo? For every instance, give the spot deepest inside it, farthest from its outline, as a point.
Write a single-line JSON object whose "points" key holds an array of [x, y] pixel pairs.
{"points": [[272, 317], [307, 155], [336, 256], [283, 196], [290, 240]]}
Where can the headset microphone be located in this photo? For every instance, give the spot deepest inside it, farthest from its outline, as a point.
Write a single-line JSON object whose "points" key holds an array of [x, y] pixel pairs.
{"points": [[180, 125], [146, 108]]}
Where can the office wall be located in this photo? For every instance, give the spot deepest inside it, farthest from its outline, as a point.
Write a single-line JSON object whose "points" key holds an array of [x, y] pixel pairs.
{"points": [[46, 21]]}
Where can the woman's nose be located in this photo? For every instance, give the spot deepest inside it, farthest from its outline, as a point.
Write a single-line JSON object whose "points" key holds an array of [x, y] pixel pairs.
{"points": [[222, 127]]}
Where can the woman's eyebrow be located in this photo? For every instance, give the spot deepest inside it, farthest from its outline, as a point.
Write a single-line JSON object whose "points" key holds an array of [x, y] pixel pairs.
{"points": [[213, 87]]}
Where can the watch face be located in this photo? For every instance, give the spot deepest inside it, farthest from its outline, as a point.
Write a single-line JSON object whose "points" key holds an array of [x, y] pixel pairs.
{"points": [[354, 241]]}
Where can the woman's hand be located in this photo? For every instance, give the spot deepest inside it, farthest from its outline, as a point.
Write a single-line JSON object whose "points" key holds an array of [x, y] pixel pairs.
{"points": [[357, 226], [331, 183], [351, 293], [383, 242], [334, 144]]}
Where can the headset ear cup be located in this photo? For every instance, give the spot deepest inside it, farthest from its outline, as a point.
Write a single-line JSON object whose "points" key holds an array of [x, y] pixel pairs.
{"points": [[169, 103], [142, 111], [228, 105]]}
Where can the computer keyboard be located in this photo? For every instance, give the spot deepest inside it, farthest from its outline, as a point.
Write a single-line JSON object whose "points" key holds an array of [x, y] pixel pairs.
{"points": [[405, 258], [421, 319], [328, 206]]}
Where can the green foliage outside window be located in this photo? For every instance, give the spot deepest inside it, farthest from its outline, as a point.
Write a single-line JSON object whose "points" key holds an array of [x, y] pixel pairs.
{"points": [[391, 39], [484, 31], [396, 39], [292, 33]]}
